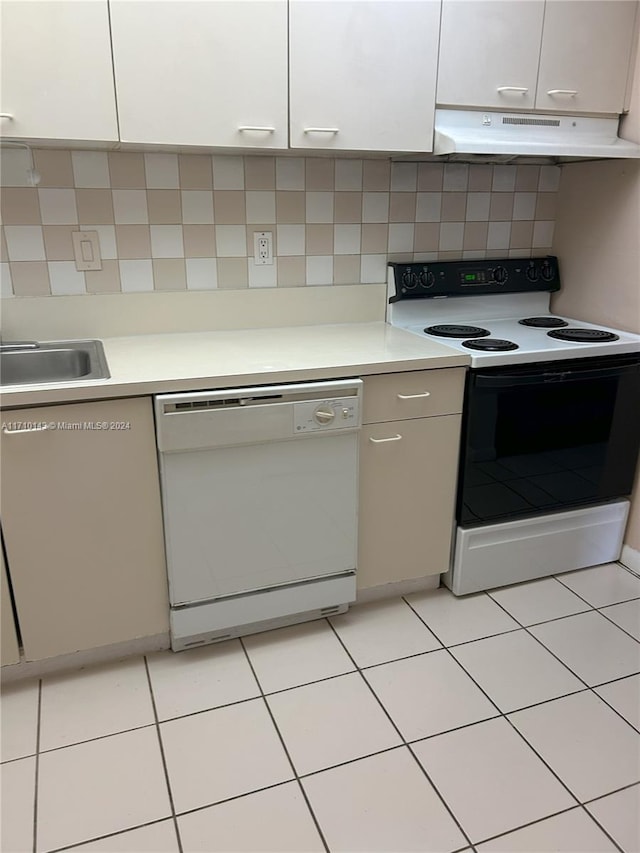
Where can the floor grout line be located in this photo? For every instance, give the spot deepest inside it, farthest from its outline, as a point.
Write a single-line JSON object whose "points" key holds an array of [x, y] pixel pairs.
{"points": [[163, 756], [582, 598], [37, 768], [588, 686], [284, 746], [108, 835], [405, 743], [619, 627], [505, 717]]}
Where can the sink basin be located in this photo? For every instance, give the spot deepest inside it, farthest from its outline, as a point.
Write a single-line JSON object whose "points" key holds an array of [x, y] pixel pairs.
{"points": [[56, 361]]}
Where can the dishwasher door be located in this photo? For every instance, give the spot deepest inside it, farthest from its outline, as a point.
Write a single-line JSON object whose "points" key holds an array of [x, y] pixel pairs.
{"points": [[259, 487]]}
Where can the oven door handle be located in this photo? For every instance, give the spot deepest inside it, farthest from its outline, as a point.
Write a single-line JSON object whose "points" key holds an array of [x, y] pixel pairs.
{"points": [[549, 377]]}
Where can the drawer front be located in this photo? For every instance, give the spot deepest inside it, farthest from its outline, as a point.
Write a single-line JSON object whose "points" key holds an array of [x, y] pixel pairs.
{"points": [[418, 394]]}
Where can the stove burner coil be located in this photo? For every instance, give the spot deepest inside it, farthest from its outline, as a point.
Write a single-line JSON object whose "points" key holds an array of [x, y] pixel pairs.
{"points": [[543, 322], [590, 336], [454, 331], [490, 345]]}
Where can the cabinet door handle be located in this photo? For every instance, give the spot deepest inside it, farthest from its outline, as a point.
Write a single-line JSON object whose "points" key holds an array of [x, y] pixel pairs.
{"points": [[397, 437], [7, 431], [414, 396], [321, 130], [570, 92], [521, 89], [8, 116], [257, 129]]}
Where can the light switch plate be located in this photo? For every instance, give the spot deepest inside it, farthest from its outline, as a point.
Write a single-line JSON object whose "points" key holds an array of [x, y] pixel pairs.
{"points": [[86, 250]]}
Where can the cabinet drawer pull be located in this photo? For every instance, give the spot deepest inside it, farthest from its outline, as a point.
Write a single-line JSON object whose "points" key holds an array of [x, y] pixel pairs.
{"points": [[397, 437], [321, 130], [414, 396], [7, 116], [521, 89], [570, 92], [7, 431], [257, 129]]}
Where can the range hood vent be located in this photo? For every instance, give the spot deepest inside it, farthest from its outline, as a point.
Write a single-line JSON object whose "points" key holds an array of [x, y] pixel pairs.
{"points": [[544, 122], [461, 132]]}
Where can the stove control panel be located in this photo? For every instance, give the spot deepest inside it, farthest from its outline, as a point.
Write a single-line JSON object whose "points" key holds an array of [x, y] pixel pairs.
{"points": [[470, 278]]}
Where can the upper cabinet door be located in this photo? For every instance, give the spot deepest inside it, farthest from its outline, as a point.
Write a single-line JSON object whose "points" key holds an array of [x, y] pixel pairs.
{"points": [[363, 73], [57, 75], [586, 49], [489, 53], [201, 73]]}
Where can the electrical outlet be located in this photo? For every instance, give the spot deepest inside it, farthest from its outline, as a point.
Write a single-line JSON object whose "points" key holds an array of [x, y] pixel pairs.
{"points": [[262, 248]]}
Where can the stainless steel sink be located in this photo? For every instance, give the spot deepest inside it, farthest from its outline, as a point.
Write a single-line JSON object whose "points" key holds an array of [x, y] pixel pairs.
{"points": [[54, 361]]}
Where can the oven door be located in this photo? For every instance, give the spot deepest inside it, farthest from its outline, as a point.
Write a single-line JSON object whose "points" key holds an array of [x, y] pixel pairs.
{"points": [[540, 438]]}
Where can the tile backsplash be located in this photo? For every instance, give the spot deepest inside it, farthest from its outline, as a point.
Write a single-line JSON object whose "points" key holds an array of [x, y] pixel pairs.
{"points": [[185, 221]]}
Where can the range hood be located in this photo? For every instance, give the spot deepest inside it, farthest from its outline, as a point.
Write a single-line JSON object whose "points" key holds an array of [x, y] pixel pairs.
{"points": [[528, 134]]}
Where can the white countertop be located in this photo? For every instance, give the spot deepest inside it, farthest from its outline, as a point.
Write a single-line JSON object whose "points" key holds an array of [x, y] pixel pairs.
{"points": [[150, 364]]}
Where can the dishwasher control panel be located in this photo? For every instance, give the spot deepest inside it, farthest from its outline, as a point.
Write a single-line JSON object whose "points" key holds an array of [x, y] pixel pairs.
{"points": [[313, 415]]}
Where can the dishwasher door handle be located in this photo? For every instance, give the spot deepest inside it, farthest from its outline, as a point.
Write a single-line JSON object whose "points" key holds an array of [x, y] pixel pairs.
{"points": [[396, 437]]}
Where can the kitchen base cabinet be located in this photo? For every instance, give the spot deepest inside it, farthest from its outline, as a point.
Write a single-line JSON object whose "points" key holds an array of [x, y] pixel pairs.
{"points": [[9, 650], [82, 525], [408, 471]]}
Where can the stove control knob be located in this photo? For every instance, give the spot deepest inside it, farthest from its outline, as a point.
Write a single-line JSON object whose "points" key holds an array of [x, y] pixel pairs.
{"points": [[409, 280], [500, 275], [324, 414], [532, 273], [548, 272], [426, 278]]}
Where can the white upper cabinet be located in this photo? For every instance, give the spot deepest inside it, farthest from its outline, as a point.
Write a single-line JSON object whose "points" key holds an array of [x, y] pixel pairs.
{"points": [[559, 55], [362, 74], [584, 62], [489, 53], [201, 73], [56, 73]]}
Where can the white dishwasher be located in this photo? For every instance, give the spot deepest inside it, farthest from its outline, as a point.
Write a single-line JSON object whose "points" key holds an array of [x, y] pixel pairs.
{"points": [[260, 501]]}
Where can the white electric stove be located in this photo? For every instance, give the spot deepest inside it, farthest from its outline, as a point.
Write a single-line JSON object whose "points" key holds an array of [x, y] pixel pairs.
{"points": [[550, 437], [496, 312]]}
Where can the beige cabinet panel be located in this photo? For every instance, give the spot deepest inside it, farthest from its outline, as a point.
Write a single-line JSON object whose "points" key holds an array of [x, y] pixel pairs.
{"points": [[82, 524], [586, 49], [57, 73], [417, 394], [489, 52], [363, 74], [407, 491], [201, 72], [10, 653]]}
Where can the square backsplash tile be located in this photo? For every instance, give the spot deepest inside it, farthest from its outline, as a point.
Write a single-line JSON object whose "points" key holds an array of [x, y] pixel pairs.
{"points": [[343, 218]]}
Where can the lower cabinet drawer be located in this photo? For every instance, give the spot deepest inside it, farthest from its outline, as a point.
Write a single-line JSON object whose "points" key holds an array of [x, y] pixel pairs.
{"points": [[418, 394]]}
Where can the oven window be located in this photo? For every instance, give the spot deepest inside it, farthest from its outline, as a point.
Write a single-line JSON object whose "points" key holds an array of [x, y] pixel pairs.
{"points": [[539, 442]]}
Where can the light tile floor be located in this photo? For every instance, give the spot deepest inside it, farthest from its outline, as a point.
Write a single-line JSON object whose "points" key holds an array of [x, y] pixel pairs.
{"points": [[505, 721]]}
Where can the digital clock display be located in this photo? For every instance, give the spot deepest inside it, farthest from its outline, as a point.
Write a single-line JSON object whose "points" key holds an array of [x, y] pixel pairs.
{"points": [[473, 277]]}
